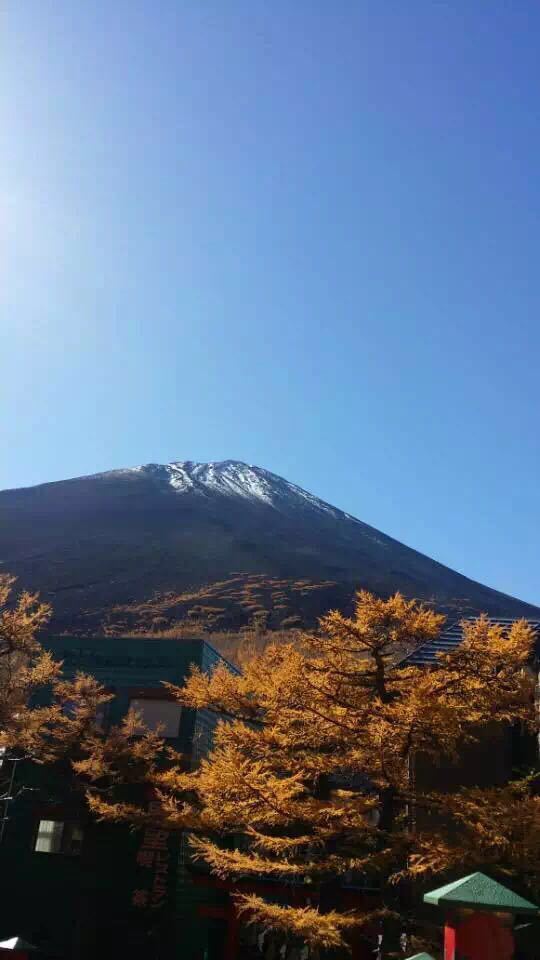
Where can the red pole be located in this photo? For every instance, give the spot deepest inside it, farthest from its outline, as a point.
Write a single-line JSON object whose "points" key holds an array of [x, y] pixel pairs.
{"points": [[449, 940], [232, 938]]}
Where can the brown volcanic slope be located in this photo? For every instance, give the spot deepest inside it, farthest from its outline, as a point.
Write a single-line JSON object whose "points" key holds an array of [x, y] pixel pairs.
{"points": [[240, 601], [131, 547]]}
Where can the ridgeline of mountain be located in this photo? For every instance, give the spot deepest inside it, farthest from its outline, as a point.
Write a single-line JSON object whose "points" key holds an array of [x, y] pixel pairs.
{"points": [[219, 542]]}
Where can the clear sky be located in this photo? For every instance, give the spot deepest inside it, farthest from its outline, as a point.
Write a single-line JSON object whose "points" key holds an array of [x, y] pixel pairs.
{"points": [[300, 233]]}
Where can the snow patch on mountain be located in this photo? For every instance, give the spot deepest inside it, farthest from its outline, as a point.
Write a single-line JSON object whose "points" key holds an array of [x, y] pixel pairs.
{"points": [[233, 478], [179, 479], [314, 501], [236, 479]]}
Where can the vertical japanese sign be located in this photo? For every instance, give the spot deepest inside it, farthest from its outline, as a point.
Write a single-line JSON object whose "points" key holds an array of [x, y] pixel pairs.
{"points": [[154, 866]]}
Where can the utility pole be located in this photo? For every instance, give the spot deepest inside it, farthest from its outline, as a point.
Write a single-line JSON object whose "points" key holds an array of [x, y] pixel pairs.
{"points": [[7, 798]]}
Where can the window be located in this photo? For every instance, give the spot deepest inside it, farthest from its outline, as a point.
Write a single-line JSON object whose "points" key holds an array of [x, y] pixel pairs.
{"points": [[101, 717], [57, 836], [160, 716], [49, 836]]}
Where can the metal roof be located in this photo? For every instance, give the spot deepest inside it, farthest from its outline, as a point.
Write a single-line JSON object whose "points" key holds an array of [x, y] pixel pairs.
{"points": [[478, 890], [426, 654], [17, 943]]}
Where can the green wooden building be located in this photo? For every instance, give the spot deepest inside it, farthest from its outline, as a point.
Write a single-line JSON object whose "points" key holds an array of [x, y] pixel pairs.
{"points": [[78, 889]]}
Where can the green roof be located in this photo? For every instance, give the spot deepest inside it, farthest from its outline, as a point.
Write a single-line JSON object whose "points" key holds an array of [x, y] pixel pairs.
{"points": [[17, 943], [421, 956], [480, 891]]}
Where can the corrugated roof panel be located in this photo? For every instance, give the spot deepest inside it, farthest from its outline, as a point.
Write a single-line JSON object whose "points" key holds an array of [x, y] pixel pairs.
{"points": [[449, 639]]}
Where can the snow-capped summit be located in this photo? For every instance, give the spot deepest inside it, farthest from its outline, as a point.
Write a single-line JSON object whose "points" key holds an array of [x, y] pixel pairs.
{"points": [[234, 478]]}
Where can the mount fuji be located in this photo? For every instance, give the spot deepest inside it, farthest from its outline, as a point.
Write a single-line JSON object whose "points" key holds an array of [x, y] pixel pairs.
{"points": [[225, 539]]}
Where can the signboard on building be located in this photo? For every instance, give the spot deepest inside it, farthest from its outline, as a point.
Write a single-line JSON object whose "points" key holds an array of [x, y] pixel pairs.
{"points": [[155, 859]]}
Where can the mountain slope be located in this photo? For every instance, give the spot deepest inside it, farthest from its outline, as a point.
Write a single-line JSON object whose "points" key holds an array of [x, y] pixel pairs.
{"points": [[118, 538]]}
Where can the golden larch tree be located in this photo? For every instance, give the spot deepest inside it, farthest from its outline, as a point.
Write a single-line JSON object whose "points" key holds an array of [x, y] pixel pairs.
{"points": [[45, 718], [310, 771]]}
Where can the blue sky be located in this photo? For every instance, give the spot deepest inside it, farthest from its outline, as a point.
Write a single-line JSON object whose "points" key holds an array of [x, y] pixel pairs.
{"points": [[301, 234]]}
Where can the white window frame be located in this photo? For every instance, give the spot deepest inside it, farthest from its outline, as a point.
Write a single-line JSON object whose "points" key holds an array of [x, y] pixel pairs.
{"points": [[61, 834]]}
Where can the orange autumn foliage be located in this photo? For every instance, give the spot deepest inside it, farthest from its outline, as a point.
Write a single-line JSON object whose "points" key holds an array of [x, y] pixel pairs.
{"points": [[311, 766], [35, 721]]}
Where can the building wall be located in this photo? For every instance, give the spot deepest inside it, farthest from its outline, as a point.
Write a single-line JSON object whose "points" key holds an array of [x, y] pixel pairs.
{"points": [[89, 905]]}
